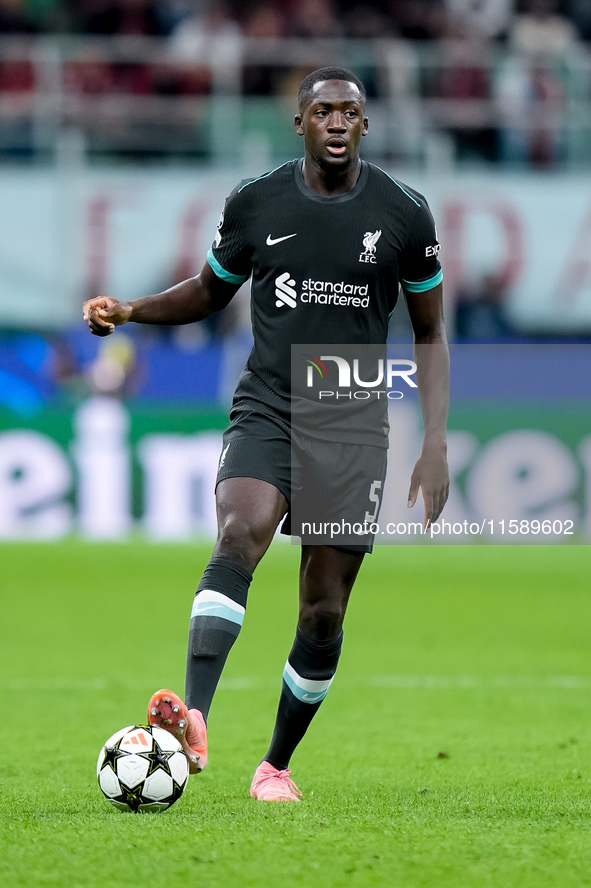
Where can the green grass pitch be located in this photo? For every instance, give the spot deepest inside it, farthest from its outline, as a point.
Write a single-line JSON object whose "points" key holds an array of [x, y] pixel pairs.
{"points": [[454, 748]]}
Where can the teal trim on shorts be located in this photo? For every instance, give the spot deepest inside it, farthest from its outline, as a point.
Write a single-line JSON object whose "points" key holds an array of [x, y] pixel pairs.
{"points": [[423, 286], [222, 273]]}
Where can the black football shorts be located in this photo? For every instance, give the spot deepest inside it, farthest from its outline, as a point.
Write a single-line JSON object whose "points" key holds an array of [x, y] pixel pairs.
{"points": [[333, 489]]}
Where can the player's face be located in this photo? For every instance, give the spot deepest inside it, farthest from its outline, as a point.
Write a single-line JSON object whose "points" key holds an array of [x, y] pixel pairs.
{"points": [[332, 124]]}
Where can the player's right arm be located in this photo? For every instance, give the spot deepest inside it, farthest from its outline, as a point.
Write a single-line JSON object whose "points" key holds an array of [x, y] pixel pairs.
{"points": [[187, 302]]}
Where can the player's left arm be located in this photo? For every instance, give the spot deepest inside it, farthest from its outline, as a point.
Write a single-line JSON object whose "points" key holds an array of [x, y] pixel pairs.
{"points": [[431, 355]]}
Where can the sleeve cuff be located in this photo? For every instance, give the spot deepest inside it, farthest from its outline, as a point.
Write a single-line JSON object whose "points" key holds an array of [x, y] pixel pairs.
{"points": [[423, 286], [222, 273]]}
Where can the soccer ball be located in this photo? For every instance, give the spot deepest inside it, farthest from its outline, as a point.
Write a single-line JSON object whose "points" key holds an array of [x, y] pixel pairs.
{"points": [[142, 768]]}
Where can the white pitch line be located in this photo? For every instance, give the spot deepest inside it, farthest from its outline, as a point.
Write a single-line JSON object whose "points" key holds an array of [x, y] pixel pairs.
{"points": [[457, 682], [382, 682]]}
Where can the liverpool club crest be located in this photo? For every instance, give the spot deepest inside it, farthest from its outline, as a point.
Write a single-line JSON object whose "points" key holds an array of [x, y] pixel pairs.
{"points": [[370, 239]]}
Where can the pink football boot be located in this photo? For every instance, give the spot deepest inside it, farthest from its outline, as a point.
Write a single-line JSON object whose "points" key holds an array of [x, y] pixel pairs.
{"points": [[167, 710]]}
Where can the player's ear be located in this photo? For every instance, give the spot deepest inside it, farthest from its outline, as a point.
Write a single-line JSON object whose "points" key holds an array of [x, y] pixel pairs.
{"points": [[365, 126], [298, 123]]}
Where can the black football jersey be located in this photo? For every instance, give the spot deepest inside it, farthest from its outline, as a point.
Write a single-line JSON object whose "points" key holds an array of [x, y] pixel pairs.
{"points": [[324, 269]]}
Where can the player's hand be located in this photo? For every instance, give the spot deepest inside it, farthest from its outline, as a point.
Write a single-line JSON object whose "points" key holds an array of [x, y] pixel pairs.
{"points": [[103, 314], [431, 475]]}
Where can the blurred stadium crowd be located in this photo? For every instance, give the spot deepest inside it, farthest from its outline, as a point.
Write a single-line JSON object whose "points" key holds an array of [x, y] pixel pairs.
{"points": [[533, 24], [475, 68]]}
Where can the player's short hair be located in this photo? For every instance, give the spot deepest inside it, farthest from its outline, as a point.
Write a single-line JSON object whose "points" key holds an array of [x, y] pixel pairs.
{"points": [[322, 74]]}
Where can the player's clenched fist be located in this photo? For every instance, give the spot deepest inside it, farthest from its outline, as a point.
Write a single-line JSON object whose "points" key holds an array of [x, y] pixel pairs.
{"points": [[103, 314]]}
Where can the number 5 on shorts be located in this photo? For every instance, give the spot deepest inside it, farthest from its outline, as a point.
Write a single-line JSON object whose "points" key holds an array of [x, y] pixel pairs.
{"points": [[374, 497]]}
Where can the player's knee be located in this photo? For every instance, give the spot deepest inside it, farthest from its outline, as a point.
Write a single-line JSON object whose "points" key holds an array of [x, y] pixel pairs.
{"points": [[244, 541], [322, 619]]}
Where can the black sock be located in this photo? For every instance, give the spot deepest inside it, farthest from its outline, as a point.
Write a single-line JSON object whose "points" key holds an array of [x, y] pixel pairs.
{"points": [[307, 676], [216, 620]]}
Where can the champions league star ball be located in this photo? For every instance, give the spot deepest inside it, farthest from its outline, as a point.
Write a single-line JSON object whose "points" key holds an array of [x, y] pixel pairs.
{"points": [[142, 768]]}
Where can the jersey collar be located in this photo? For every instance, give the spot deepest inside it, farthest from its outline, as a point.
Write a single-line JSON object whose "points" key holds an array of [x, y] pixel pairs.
{"points": [[338, 198]]}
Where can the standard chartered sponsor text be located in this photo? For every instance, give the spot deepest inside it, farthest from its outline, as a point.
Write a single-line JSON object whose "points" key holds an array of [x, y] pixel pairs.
{"points": [[335, 293], [487, 526]]}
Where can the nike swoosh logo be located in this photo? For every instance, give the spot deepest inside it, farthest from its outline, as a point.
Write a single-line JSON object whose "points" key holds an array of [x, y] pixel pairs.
{"points": [[277, 240]]}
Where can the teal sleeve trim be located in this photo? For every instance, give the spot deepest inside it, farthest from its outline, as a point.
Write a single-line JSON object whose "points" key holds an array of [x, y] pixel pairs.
{"points": [[423, 286], [222, 273]]}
